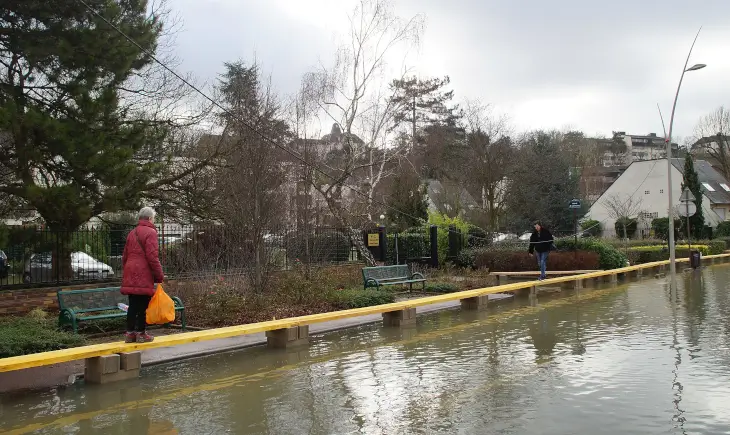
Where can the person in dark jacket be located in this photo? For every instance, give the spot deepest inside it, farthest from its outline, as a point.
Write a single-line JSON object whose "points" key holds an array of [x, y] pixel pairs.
{"points": [[141, 270], [541, 242]]}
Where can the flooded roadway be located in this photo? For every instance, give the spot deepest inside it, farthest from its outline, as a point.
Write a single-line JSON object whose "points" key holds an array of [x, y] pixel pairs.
{"points": [[627, 359]]}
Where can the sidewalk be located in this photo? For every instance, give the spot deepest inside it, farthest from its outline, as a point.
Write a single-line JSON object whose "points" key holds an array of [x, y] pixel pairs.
{"points": [[67, 373]]}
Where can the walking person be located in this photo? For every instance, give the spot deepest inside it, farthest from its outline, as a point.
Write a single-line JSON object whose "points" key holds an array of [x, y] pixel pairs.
{"points": [[141, 270], [541, 242]]}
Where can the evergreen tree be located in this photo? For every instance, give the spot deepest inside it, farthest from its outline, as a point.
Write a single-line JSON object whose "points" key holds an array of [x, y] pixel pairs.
{"points": [[71, 134], [692, 181], [407, 194]]}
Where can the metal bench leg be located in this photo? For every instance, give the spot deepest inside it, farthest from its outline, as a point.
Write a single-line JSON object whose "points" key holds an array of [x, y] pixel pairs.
{"points": [[182, 319]]}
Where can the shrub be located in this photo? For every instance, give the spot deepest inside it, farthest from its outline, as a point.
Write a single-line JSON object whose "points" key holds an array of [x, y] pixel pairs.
{"points": [[660, 226], [466, 258], [723, 229], [609, 256], [441, 287], [443, 223], [630, 227], [649, 254], [23, 336], [476, 237], [502, 261], [410, 245], [358, 298], [716, 247], [725, 240], [592, 227]]}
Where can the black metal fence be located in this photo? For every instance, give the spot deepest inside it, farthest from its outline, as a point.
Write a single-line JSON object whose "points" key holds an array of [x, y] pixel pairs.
{"points": [[35, 256]]}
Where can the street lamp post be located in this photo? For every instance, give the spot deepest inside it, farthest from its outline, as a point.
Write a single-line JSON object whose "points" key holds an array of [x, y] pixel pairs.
{"points": [[672, 251]]}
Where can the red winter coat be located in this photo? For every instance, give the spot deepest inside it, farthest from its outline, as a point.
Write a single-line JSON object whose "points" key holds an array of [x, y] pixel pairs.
{"points": [[141, 267]]}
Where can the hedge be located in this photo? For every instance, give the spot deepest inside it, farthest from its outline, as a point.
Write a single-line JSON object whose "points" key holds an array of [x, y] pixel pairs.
{"points": [[648, 254], [23, 336], [410, 245], [723, 229], [592, 227], [501, 261], [358, 298], [631, 226], [609, 256]]}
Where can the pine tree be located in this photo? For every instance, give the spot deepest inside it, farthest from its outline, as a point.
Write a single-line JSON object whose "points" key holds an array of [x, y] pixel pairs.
{"points": [[407, 195], [70, 131], [692, 181]]}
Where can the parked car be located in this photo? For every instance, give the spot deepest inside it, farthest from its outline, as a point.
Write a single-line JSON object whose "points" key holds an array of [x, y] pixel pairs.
{"points": [[85, 268], [4, 265], [525, 237]]}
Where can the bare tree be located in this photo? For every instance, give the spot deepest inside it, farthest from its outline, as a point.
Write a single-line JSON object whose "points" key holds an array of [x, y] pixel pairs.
{"points": [[487, 157], [623, 209], [712, 137], [353, 95], [250, 186]]}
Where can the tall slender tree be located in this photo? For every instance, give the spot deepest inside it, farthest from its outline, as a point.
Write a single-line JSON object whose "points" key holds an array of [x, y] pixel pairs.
{"points": [[692, 181]]}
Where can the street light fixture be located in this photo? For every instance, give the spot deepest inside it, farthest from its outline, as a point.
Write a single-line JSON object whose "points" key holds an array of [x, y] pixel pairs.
{"points": [[672, 251]]}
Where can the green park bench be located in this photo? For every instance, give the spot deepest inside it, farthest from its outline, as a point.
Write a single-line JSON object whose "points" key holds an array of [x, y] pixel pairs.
{"points": [[391, 275], [95, 304]]}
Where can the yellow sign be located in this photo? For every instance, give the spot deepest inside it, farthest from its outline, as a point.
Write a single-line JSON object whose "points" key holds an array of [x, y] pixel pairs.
{"points": [[373, 240]]}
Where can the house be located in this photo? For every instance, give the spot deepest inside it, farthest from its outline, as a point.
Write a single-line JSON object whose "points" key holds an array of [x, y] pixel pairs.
{"points": [[449, 198], [716, 150], [641, 189]]}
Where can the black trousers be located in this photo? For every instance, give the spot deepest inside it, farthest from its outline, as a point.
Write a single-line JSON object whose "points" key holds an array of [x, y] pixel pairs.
{"points": [[137, 312]]}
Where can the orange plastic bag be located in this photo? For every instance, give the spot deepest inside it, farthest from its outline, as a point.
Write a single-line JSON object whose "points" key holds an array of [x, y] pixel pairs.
{"points": [[161, 309]]}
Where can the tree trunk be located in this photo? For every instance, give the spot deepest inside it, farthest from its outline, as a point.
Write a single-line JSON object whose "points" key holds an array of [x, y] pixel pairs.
{"points": [[355, 234]]}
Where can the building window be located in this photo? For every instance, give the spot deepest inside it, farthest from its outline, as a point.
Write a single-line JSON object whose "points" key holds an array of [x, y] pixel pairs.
{"points": [[648, 216], [725, 187], [646, 192], [661, 190], [708, 187]]}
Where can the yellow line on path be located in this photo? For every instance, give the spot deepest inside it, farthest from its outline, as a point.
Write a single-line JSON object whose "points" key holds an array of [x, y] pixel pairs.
{"points": [[236, 380], [83, 352]]}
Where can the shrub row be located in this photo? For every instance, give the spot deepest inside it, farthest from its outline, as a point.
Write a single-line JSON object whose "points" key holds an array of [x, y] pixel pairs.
{"points": [[608, 256], [358, 298], [22, 336], [501, 261], [648, 254]]}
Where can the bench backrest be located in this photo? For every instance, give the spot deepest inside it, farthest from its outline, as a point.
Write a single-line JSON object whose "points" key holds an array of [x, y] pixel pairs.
{"points": [[101, 298], [386, 272]]}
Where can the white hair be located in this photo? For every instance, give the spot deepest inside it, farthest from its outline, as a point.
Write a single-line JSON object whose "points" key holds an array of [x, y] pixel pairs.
{"points": [[146, 213]]}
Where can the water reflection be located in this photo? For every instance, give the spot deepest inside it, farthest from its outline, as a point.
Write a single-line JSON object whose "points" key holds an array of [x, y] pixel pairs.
{"points": [[627, 359]]}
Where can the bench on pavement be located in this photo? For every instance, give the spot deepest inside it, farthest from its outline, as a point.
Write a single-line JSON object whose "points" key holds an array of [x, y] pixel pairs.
{"points": [[96, 304], [391, 275]]}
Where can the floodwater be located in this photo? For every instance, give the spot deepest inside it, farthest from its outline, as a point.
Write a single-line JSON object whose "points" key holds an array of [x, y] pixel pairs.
{"points": [[628, 359]]}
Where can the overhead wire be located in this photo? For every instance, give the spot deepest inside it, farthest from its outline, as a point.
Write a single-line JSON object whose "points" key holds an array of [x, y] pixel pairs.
{"points": [[257, 132]]}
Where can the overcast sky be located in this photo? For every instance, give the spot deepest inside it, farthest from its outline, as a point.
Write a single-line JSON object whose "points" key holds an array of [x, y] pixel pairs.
{"points": [[590, 65]]}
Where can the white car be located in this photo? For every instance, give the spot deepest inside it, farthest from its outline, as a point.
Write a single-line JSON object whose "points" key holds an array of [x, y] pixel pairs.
{"points": [[525, 237], [84, 267]]}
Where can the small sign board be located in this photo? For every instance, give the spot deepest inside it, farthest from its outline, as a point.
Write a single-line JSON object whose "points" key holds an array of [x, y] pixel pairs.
{"points": [[373, 240], [575, 203]]}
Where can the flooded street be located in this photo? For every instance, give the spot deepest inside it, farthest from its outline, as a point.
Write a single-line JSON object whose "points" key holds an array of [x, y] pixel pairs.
{"points": [[627, 359]]}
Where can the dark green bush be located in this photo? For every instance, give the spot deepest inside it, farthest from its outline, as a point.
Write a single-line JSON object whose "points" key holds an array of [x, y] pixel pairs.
{"points": [[725, 240], [410, 245], [723, 229], [660, 226], [716, 247], [358, 298], [22, 336], [466, 258], [476, 237], [441, 287], [609, 256], [631, 226], [592, 227]]}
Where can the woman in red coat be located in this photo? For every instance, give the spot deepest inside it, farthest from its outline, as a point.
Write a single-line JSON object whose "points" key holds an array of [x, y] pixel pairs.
{"points": [[141, 269]]}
